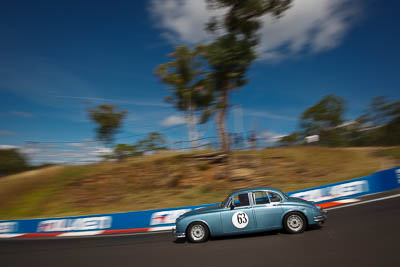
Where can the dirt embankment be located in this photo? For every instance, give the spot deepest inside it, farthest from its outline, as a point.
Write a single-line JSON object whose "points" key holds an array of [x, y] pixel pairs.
{"points": [[179, 179]]}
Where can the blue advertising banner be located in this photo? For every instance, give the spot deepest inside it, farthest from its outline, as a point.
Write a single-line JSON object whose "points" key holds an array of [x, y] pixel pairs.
{"points": [[378, 182]]}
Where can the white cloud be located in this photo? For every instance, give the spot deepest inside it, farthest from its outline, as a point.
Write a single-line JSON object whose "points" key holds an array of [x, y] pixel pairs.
{"points": [[173, 120], [101, 150], [76, 144], [8, 147], [309, 26], [69, 153], [29, 150], [183, 21]]}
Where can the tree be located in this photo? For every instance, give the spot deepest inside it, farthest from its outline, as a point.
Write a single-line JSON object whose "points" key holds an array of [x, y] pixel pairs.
{"points": [[324, 119], [379, 111], [392, 128], [381, 122], [12, 161], [232, 52], [154, 141], [184, 73], [123, 151], [108, 119]]}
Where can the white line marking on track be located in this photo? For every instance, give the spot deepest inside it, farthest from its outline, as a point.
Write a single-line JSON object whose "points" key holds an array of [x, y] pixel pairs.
{"points": [[348, 200], [363, 202]]}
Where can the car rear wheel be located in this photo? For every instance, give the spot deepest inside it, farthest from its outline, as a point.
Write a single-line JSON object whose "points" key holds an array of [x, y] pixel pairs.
{"points": [[197, 232], [295, 223]]}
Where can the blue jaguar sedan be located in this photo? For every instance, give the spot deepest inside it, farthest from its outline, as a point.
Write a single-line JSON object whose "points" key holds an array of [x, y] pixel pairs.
{"points": [[249, 211]]}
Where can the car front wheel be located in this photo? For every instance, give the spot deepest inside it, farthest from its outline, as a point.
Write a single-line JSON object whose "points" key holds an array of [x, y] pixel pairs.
{"points": [[295, 223], [197, 232]]}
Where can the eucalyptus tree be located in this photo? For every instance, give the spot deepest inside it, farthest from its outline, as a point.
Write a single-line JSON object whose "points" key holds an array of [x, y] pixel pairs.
{"points": [[325, 119], [325, 115], [12, 161], [233, 50], [184, 74], [108, 119], [381, 122]]}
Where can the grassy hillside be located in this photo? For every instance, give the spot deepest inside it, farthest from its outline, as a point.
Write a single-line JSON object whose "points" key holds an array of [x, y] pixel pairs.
{"points": [[177, 179]]}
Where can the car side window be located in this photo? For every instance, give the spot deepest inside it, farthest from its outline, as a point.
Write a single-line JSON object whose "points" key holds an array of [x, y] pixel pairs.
{"points": [[260, 197], [274, 197], [241, 200]]}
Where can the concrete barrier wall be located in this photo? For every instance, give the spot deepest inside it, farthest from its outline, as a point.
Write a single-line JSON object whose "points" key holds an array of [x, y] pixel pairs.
{"points": [[164, 219]]}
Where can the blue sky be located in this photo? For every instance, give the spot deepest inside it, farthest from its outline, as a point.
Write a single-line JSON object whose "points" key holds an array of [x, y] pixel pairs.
{"points": [[55, 56]]}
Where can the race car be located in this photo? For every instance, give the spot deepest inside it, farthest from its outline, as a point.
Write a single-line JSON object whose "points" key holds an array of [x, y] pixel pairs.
{"points": [[248, 211]]}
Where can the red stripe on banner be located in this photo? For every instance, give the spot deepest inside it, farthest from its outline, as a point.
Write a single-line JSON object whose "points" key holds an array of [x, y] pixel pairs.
{"points": [[39, 235], [329, 204], [134, 230]]}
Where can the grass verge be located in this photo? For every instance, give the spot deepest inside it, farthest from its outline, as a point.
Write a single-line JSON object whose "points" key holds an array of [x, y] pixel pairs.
{"points": [[177, 179]]}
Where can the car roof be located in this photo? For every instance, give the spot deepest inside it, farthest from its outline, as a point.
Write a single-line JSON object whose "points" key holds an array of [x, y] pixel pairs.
{"points": [[254, 189]]}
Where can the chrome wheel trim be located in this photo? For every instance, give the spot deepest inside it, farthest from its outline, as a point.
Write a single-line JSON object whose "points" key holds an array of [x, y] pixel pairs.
{"points": [[197, 232], [295, 222]]}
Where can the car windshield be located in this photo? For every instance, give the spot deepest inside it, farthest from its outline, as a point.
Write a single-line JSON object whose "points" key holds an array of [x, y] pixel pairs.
{"points": [[223, 203], [284, 195]]}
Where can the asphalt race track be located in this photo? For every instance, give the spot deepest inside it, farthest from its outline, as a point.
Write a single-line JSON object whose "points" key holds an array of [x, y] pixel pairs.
{"points": [[361, 235]]}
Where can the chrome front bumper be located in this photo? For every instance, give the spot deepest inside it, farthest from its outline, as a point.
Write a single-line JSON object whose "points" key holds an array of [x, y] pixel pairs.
{"points": [[321, 218], [178, 235]]}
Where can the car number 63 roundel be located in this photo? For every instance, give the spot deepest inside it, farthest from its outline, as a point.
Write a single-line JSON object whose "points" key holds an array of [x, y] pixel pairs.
{"points": [[240, 219]]}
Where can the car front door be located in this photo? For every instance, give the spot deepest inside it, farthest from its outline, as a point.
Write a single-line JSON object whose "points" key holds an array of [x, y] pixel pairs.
{"points": [[240, 217], [267, 210]]}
